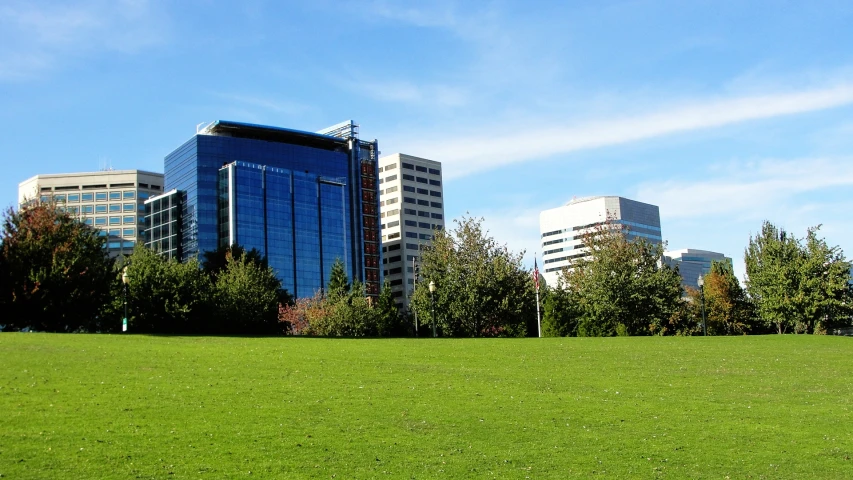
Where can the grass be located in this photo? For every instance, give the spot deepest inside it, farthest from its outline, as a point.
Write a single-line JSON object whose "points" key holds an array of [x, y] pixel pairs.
{"points": [[101, 406]]}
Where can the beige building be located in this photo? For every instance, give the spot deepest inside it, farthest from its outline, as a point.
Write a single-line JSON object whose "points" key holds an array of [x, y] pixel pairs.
{"points": [[113, 201], [411, 203]]}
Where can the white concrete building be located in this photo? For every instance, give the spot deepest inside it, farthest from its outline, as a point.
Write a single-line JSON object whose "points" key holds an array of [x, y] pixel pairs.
{"points": [[562, 228], [113, 201], [693, 263], [411, 203]]}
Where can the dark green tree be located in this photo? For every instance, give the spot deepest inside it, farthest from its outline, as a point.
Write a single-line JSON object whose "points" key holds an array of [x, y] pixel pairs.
{"points": [[164, 296], [214, 261], [623, 287], [338, 286], [559, 312], [247, 297], [55, 271], [481, 288], [387, 317]]}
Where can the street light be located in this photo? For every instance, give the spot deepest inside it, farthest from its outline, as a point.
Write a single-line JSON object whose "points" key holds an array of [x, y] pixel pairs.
{"points": [[126, 281], [701, 282], [432, 300]]}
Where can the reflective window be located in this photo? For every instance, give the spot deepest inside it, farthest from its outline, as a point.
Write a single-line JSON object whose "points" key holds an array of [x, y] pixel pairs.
{"points": [[87, 197], [73, 197], [129, 207], [88, 221], [129, 219], [87, 209], [435, 171], [115, 232], [129, 195], [100, 209], [100, 196], [128, 232], [115, 220], [115, 207], [101, 221], [115, 195], [59, 197]]}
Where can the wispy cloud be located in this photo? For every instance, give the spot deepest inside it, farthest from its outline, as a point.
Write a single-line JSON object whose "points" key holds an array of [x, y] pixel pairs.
{"points": [[753, 191], [37, 37], [504, 145], [270, 103]]}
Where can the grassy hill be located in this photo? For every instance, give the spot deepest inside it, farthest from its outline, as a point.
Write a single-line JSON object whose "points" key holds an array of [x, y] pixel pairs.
{"points": [[99, 406]]}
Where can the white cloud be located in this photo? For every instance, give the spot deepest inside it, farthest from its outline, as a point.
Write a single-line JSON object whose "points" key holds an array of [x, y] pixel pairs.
{"points": [[37, 37], [504, 145], [749, 192]]}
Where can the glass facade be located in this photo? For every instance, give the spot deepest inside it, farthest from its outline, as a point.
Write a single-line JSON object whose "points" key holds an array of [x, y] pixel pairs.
{"points": [[300, 198], [164, 224]]}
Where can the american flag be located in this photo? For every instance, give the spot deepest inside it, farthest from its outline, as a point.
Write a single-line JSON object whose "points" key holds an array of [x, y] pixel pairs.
{"points": [[535, 275]]}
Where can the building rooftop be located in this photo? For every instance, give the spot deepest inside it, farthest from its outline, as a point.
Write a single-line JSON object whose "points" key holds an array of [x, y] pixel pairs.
{"points": [[226, 128]]}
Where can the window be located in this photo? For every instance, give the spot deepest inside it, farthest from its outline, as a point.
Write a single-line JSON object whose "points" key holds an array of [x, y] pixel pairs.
{"points": [[423, 202], [424, 225], [391, 213], [395, 271], [101, 196], [390, 167], [423, 191], [394, 247], [435, 171], [426, 236], [436, 216], [115, 195], [73, 210], [391, 189], [115, 220], [128, 243], [423, 214], [381, 168], [381, 181], [87, 209], [88, 197], [433, 193], [129, 219], [391, 178], [114, 244], [435, 204], [408, 188], [395, 223], [408, 177], [421, 180], [437, 183], [115, 207], [128, 207], [411, 223], [130, 194], [399, 281], [392, 201], [437, 226], [143, 195], [420, 168], [100, 209], [409, 211], [411, 235], [114, 232], [393, 236], [408, 166], [395, 259], [88, 221], [73, 197], [101, 221], [409, 200], [59, 197], [412, 246]]}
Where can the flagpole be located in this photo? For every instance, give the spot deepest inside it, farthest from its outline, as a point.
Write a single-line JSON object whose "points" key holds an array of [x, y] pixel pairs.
{"points": [[536, 284]]}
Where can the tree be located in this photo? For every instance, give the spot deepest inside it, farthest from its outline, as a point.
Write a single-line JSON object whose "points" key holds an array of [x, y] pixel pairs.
{"points": [[801, 286], [216, 260], [387, 318], [338, 281], [481, 287], [164, 296], [727, 308], [247, 297], [622, 287], [55, 269], [559, 312]]}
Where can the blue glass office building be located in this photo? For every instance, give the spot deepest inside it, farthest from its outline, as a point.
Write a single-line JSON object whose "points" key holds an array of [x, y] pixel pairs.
{"points": [[303, 199]]}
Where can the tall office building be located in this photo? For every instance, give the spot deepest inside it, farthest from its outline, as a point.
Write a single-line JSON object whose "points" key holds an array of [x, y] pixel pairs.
{"points": [[111, 201], [562, 228], [412, 207], [302, 199], [693, 263]]}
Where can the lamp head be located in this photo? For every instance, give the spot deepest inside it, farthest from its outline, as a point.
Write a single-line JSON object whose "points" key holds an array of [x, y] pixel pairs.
{"points": [[700, 281], [124, 279], [431, 286]]}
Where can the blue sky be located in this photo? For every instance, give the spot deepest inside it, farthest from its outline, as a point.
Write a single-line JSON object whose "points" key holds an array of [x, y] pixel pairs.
{"points": [[722, 113]]}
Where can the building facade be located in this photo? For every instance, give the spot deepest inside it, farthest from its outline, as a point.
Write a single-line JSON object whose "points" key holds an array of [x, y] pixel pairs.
{"points": [[302, 199], [412, 207], [562, 228], [693, 263], [112, 201]]}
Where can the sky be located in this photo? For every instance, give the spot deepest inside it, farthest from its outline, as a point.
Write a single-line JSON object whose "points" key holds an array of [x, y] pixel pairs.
{"points": [[724, 114]]}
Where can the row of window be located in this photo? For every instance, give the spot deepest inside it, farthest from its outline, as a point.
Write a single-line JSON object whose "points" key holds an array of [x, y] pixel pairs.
{"points": [[94, 196], [102, 208], [117, 232], [419, 168]]}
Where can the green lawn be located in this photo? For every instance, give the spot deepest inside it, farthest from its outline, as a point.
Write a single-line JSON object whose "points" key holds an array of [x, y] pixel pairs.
{"points": [[108, 406]]}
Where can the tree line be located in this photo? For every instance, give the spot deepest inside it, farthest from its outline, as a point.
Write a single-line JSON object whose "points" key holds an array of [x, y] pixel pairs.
{"points": [[55, 276]]}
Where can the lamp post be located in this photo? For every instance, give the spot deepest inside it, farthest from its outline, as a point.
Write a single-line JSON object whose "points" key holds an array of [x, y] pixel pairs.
{"points": [[126, 281], [432, 300], [701, 283]]}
